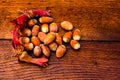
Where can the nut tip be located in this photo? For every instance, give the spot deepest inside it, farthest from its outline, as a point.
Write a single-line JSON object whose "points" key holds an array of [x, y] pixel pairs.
{"points": [[76, 37], [65, 39], [77, 46]]}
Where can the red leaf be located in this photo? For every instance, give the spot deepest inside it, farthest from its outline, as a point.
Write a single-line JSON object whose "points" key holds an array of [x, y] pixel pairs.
{"points": [[15, 37], [40, 61], [20, 20], [41, 13]]}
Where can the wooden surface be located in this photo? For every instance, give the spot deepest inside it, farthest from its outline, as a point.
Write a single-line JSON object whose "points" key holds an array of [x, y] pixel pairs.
{"points": [[94, 61], [99, 56], [97, 20]]}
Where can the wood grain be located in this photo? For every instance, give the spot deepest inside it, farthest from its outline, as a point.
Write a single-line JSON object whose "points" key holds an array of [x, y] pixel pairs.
{"points": [[94, 61], [97, 20], [99, 56]]}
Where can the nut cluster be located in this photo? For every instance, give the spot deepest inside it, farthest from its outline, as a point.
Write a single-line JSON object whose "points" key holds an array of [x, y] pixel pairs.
{"points": [[36, 34], [40, 36]]}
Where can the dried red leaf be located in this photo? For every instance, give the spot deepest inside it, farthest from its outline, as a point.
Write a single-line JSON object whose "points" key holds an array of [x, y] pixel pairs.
{"points": [[15, 37], [40, 61], [20, 20], [40, 13]]}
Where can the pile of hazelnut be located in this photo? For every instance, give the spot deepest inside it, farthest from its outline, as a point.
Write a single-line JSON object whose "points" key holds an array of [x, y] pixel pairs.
{"points": [[40, 36]]}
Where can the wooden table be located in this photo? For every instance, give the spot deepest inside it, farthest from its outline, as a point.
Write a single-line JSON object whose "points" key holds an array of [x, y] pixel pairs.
{"points": [[99, 56]]}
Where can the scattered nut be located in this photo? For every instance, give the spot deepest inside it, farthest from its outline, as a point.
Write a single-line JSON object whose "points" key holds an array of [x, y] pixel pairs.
{"points": [[76, 34], [49, 38], [41, 36], [35, 30], [58, 39], [35, 40], [24, 40], [53, 46], [67, 37], [44, 28], [32, 22], [26, 32], [37, 51], [75, 44], [45, 50], [45, 19], [53, 27], [66, 25], [28, 46], [60, 51]]}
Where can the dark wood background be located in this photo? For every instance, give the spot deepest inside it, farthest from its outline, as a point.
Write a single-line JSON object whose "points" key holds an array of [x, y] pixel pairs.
{"points": [[99, 56]]}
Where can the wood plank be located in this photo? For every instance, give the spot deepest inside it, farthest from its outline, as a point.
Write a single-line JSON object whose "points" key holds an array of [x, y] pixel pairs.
{"points": [[94, 61], [97, 20]]}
